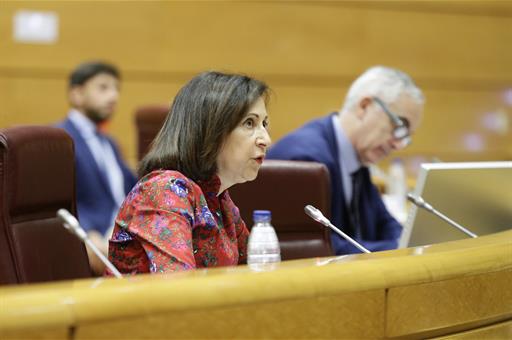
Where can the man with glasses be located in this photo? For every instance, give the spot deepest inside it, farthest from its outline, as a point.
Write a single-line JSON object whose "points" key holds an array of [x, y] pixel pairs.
{"points": [[382, 109]]}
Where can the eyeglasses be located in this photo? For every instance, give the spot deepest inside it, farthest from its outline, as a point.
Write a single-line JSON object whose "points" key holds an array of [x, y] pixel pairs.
{"points": [[400, 125]]}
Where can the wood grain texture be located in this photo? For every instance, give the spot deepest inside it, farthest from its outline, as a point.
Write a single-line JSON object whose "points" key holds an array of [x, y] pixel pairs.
{"points": [[308, 52], [417, 292]]}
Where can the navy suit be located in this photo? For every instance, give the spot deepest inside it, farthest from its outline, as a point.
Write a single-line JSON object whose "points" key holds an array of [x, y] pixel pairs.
{"points": [[95, 202], [316, 142]]}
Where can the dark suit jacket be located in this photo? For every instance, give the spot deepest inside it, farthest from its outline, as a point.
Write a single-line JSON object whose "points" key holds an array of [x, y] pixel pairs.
{"points": [[95, 203], [316, 142]]}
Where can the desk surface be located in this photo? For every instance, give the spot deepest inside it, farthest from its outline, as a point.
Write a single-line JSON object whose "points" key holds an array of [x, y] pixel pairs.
{"points": [[470, 280]]}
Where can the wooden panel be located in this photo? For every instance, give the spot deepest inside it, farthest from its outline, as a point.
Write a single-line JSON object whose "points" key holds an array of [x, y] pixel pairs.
{"points": [[49, 334], [308, 52], [283, 38], [466, 111], [454, 124], [435, 290], [29, 100], [357, 315], [502, 330], [463, 303]]}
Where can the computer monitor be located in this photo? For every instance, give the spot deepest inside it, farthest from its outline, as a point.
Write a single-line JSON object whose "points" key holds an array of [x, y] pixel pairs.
{"points": [[476, 195]]}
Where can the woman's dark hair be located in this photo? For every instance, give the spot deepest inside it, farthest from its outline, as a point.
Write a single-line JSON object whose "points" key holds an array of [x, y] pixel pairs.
{"points": [[202, 115]]}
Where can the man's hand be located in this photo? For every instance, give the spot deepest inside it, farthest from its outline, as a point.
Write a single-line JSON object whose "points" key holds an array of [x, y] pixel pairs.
{"points": [[102, 244]]}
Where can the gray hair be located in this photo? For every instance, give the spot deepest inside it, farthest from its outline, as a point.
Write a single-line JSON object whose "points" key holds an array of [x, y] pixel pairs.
{"points": [[383, 82]]}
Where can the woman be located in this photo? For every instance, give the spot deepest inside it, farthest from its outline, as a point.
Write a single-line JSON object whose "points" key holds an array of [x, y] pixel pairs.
{"points": [[179, 215]]}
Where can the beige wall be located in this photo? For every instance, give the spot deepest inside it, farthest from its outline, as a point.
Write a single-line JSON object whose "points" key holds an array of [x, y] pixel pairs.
{"points": [[460, 53]]}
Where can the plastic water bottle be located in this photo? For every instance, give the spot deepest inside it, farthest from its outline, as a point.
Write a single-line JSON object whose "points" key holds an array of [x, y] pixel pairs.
{"points": [[263, 249]]}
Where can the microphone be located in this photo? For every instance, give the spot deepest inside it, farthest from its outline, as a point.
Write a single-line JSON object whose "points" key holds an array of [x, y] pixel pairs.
{"points": [[71, 223], [420, 202], [317, 215]]}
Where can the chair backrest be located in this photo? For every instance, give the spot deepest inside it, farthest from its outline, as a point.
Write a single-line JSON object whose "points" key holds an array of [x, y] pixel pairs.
{"points": [[148, 121], [284, 188], [37, 177], [7, 267]]}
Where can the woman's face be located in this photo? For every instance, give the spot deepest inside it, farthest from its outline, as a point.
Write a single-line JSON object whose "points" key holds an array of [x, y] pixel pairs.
{"points": [[244, 149]]}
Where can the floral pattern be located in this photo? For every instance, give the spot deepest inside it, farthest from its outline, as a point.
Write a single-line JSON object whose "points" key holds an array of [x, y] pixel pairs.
{"points": [[171, 223]]}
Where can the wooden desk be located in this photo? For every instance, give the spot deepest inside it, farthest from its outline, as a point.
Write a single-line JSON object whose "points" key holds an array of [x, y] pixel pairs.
{"points": [[457, 289]]}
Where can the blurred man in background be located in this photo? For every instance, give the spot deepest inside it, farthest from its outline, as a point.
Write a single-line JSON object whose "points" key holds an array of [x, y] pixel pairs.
{"points": [[382, 109], [102, 177]]}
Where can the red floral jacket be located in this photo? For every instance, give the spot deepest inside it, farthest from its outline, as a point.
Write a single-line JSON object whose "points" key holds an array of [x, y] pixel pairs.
{"points": [[169, 223]]}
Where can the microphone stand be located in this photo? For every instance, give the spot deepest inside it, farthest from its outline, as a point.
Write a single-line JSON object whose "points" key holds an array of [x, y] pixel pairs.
{"points": [[420, 202], [317, 215], [71, 223]]}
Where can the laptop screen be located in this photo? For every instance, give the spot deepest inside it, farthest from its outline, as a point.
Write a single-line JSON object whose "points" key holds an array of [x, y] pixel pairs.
{"points": [[476, 195]]}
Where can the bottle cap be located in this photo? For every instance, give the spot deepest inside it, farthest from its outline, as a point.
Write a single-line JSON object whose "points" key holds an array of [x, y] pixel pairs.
{"points": [[261, 215]]}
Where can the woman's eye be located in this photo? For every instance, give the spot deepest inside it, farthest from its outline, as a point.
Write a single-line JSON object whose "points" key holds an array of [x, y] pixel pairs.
{"points": [[265, 124], [249, 123]]}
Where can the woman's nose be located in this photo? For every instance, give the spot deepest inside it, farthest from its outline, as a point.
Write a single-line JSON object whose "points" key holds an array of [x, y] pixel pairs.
{"points": [[263, 140]]}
